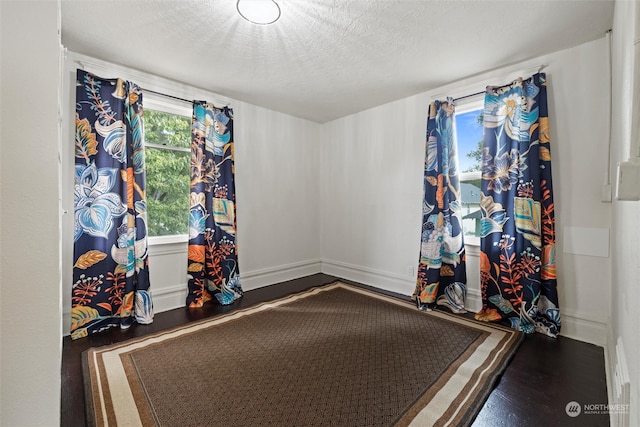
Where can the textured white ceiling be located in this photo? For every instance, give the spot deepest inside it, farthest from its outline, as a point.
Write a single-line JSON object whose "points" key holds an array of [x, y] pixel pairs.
{"points": [[325, 59]]}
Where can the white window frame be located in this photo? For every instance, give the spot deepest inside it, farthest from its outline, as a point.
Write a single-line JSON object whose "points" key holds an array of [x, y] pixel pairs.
{"points": [[177, 107], [470, 104]]}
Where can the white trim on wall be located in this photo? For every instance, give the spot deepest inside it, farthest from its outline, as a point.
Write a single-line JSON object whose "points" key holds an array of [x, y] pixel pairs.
{"points": [[367, 276], [609, 368], [574, 325], [286, 249], [403, 285], [579, 327], [145, 80], [272, 275], [171, 297]]}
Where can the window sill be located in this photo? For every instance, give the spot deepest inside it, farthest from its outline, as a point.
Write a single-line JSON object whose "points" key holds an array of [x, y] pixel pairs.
{"points": [[168, 240], [471, 241], [472, 246]]}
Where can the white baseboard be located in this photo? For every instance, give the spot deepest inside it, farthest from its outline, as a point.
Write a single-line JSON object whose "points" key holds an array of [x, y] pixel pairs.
{"points": [[367, 276], [169, 298], [282, 273], [580, 327], [387, 281], [574, 325], [609, 369], [66, 323], [474, 300], [618, 381], [164, 299]]}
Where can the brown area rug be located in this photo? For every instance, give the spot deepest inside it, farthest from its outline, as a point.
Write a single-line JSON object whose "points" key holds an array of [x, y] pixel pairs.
{"points": [[334, 355]]}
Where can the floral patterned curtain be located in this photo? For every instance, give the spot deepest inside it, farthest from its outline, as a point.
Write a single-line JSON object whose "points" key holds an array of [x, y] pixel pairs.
{"points": [[517, 260], [110, 271], [213, 262], [441, 272]]}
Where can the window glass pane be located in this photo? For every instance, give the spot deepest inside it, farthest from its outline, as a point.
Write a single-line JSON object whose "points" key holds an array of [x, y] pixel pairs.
{"points": [[469, 137], [168, 173], [167, 129], [470, 195]]}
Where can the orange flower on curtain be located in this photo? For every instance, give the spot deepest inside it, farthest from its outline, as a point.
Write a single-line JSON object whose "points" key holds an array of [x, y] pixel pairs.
{"points": [[517, 260], [110, 271], [212, 254], [441, 271]]}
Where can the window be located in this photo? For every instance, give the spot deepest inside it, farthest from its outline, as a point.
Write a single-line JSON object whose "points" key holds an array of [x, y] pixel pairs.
{"points": [[469, 136], [167, 155]]}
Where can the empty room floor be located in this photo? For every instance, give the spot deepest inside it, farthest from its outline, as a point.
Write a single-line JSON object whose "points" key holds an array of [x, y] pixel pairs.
{"points": [[543, 377]]}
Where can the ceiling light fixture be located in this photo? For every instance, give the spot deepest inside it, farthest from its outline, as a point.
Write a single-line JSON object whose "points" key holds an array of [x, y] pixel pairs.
{"points": [[261, 12]]}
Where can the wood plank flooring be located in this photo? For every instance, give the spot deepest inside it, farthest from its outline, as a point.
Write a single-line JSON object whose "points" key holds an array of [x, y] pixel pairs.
{"points": [[543, 377]]}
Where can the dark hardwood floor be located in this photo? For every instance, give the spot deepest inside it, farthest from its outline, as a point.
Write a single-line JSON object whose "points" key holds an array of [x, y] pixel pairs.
{"points": [[542, 378]]}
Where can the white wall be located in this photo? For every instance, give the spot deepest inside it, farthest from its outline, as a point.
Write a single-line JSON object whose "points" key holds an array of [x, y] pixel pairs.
{"points": [[30, 324], [359, 177], [348, 193], [277, 192], [372, 166], [625, 278]]}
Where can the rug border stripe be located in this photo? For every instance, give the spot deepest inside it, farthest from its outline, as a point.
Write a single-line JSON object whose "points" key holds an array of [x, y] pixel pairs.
{"points": [[426, 398], [145, 409], [98, 378], [475, 392], [435, 412]]}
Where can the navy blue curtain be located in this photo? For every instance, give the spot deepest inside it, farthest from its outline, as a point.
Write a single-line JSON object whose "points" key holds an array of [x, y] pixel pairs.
{"points": [[442, 273], [517, 260], [110, 271], [212, 259]]}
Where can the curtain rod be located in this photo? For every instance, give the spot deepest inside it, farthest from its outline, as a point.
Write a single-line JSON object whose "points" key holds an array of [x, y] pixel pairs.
{"points": [[190, 101], [527, 70], [468, 96], [83, 65]]}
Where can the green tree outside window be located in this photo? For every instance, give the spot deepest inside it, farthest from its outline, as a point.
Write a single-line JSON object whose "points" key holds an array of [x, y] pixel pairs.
{"points": [[167, 155]]}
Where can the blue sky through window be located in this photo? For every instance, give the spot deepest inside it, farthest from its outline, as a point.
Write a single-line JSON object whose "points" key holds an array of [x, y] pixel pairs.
{"points": [[468, 132]]}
